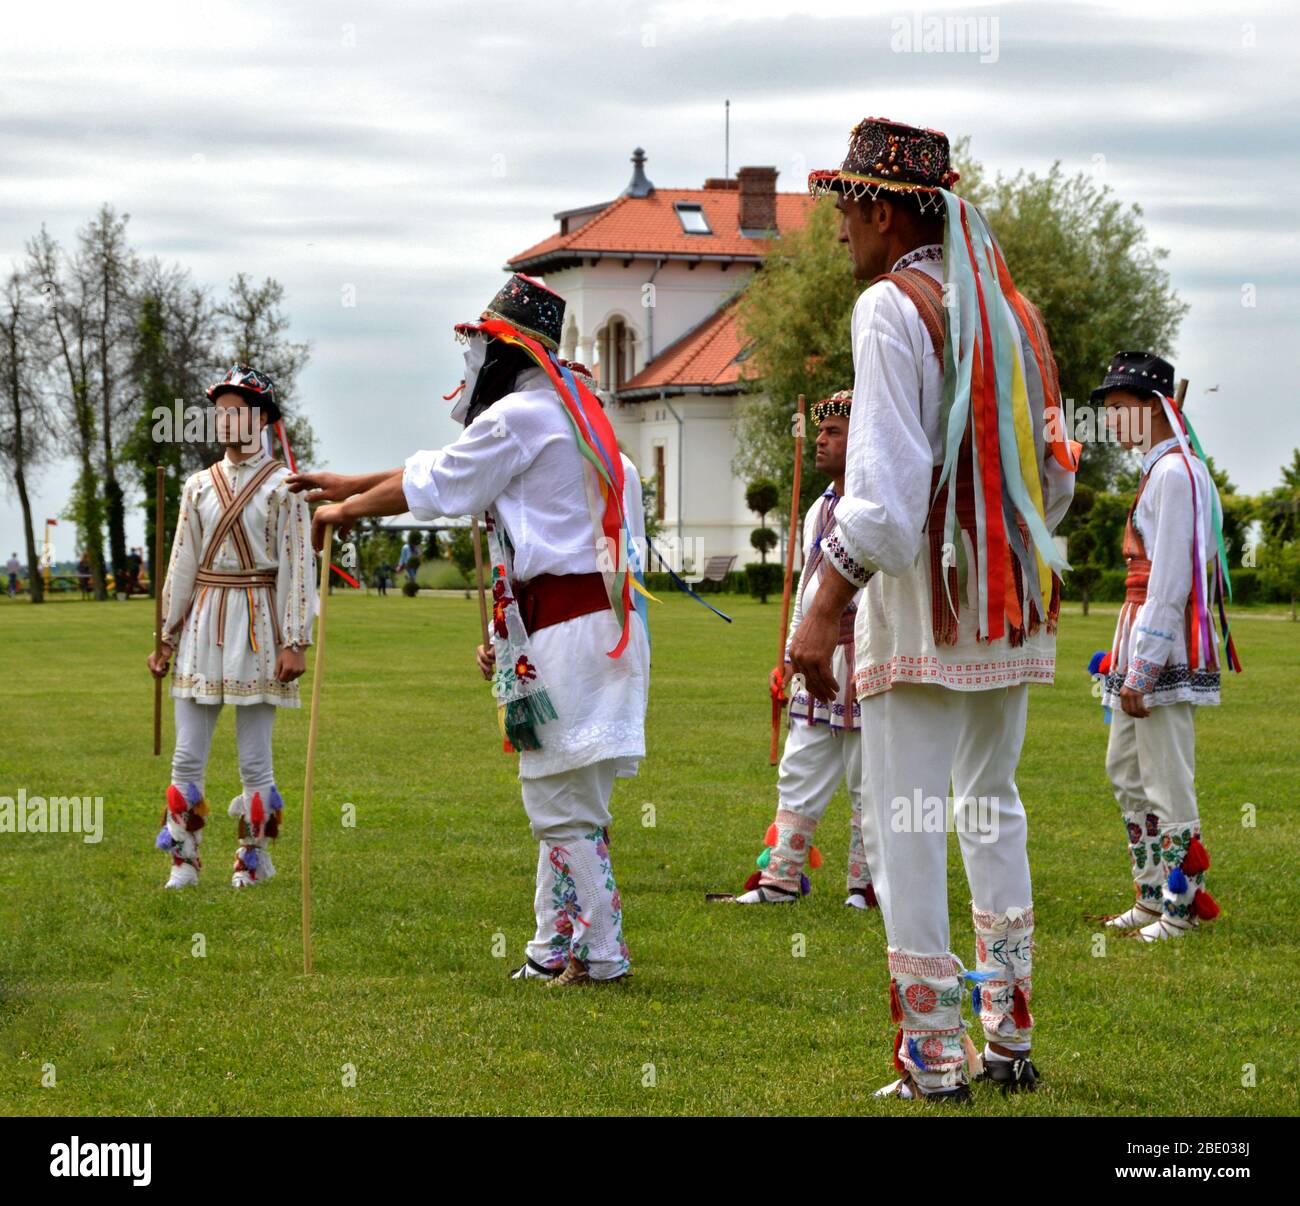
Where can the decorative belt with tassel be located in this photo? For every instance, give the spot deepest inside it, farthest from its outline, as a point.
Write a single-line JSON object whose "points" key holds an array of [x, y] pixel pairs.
{"points": [[245, 580]]}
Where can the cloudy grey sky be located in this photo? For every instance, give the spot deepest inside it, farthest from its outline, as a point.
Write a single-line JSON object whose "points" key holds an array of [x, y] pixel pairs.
{"points": [[406, 149]]}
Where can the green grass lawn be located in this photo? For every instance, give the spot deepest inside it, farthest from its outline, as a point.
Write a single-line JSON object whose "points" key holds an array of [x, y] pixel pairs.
{"points": [[414, 903]]}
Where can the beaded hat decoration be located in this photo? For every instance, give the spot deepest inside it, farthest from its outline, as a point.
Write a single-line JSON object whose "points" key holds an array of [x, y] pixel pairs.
{"points": [[1140, 372], [837, 405], [256, 387], [889, 156], [528, 306]]}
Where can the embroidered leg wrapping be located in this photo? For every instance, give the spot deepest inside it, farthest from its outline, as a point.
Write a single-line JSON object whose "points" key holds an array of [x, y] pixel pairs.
{"points": [[555, 906], [789, 841], [1004, 955], [598, 927], [259, 823], [859, 875], [925, 1000], [1148, 878], [1184, 900], [183, 819]]}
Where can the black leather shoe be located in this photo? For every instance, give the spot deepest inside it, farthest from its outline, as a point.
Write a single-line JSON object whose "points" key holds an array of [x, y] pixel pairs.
{"points": [[531, 970], [1011, 1076]]}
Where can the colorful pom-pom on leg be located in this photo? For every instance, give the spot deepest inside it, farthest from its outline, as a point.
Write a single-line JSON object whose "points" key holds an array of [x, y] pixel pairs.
{"points": [[1197, 858]]}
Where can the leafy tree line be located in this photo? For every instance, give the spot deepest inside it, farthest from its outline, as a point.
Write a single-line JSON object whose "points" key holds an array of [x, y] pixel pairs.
{"points": [[93, 339]]}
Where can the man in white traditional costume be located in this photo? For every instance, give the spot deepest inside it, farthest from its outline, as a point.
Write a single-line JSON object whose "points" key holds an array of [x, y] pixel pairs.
{"points": [[538, 459], [952, 490], [238, 606], [1164, 661], [822, 747]]}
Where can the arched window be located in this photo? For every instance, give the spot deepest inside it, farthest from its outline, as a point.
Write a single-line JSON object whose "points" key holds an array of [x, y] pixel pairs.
{"points": [[616, 349]]}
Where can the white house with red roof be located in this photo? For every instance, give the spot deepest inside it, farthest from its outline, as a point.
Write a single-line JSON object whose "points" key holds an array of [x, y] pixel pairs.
{"points": [[651, 280]]}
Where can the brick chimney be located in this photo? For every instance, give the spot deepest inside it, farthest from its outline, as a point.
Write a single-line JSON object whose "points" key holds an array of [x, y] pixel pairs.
{"points": [[757, 198]]}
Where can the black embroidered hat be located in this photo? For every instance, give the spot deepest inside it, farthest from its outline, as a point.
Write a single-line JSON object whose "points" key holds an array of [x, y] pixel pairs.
{"points": [[1141, 372], [250, 384], [528, 306], [893, 157], [839, 404]]}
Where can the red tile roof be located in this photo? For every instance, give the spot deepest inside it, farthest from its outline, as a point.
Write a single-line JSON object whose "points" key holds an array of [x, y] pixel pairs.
{"points": [[650, 226], [707, 357]]}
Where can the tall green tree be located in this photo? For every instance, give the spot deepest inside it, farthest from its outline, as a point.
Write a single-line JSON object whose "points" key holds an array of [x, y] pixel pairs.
{"points": [[1279, 509], [109, 267], [68, 312], [795, 315], [154, 391], [1279, 515], [24, 426]]}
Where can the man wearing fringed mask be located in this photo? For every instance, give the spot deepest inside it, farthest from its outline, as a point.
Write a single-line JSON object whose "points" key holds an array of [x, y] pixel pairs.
{"points": [[562, 510]]}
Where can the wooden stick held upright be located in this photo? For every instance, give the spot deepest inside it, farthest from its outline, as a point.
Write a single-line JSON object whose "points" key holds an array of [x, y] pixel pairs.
{"points": [[478, 574], [789, 574], [318, 675], [158, 572]]}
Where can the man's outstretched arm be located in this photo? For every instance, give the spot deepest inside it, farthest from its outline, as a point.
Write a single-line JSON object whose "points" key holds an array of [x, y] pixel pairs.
{"points": [[336, 487], [386, 497]]}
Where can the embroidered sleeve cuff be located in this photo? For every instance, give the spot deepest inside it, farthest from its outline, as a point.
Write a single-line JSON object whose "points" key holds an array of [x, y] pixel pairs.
{"points": [[838, 555], [1142, 675]]}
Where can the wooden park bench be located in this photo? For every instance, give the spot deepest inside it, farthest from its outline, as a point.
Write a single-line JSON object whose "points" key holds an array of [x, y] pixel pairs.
{"points": [[716, 570]]}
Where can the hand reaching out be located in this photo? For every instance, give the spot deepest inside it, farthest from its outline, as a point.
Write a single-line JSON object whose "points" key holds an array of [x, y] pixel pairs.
{"points": [[324, 487]]}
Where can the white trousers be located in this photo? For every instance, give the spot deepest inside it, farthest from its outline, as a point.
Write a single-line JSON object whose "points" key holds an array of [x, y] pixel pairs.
{"points": [[815, 759], [195, 725], [917, 741], [1152, 767], [577, 906], [1152, 762]]}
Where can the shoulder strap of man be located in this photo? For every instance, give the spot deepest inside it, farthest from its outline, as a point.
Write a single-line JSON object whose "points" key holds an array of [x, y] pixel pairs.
{"points": [[926, 294]]}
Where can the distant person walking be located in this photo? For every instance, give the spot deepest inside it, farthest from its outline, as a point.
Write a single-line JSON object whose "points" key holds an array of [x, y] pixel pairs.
{"points": [[410, 558], [13, 567]]}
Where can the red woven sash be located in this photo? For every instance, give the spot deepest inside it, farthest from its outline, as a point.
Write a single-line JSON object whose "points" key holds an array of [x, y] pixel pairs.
{"points": [[550, 599]]}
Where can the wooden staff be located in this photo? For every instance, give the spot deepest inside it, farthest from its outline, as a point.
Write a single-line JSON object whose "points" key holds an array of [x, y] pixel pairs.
{"points": [[318, 675], [478, 574], [789, 574], [157, 605], [1180, 393]]}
